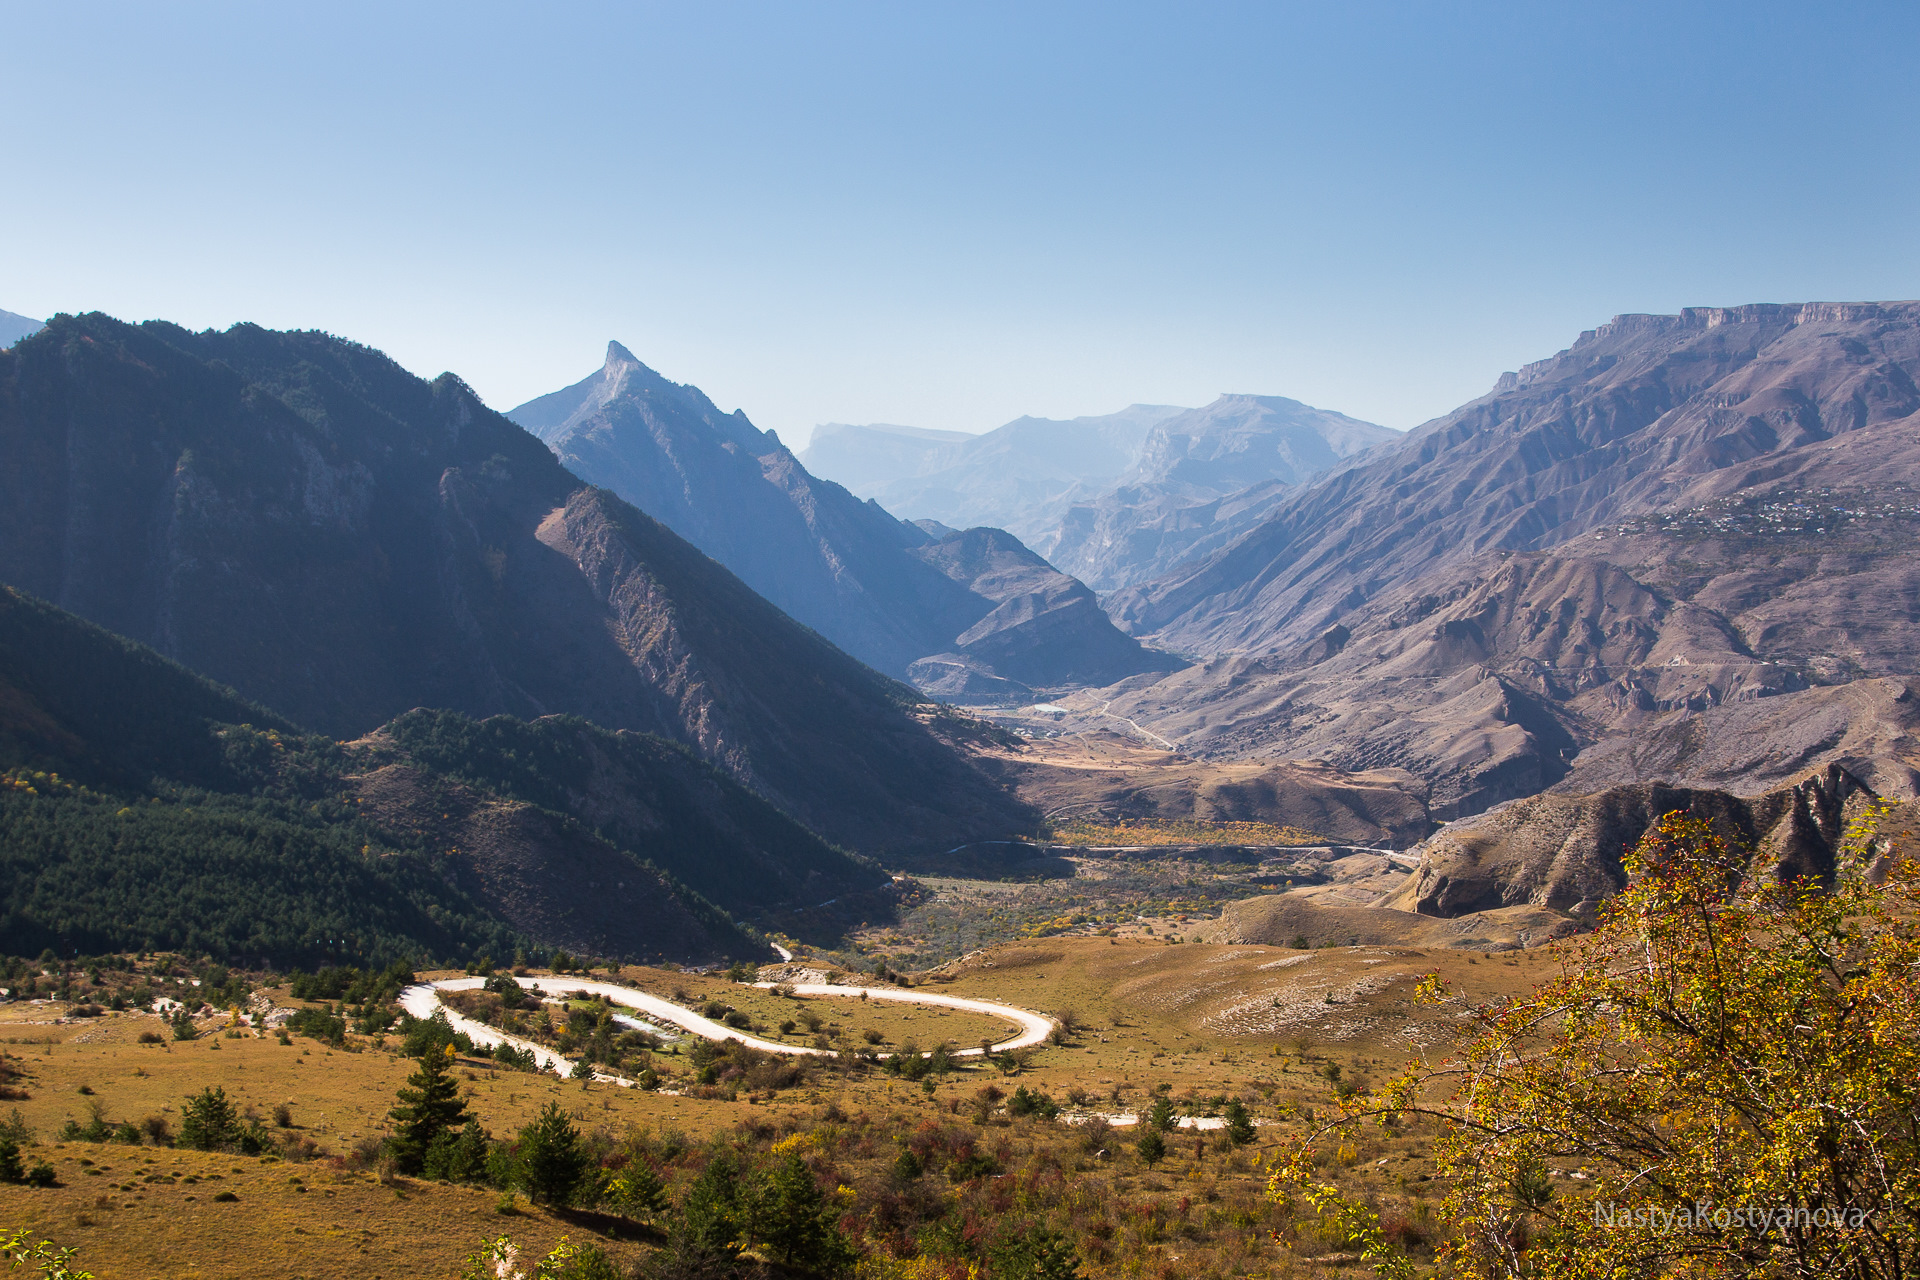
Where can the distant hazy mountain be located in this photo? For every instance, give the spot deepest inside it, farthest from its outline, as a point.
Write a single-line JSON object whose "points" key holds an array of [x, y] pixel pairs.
{"points": [[1018, 477], [15, 327], [1202, 479], [300, 518], [876, 586], [1684, 550], [867, 459]]}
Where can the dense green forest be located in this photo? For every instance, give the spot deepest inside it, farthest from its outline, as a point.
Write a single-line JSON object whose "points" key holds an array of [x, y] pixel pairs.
{"points": [[239, 878]]}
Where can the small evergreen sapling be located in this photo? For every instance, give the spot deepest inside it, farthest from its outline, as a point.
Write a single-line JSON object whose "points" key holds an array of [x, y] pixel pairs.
{"points": [[429, 1107]]}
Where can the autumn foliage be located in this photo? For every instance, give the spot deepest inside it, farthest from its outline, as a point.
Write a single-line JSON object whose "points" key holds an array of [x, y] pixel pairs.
{"points": [[1724, 1080]]}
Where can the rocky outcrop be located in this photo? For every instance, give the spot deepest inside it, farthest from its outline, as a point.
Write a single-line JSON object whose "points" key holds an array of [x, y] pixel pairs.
{"points": [[1566, 852]]}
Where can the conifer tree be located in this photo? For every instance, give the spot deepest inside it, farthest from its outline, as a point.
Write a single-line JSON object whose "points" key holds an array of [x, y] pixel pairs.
{"points": [[1153, 1147], [1239, 1123], [209, 1122], [796, 1222], [429, 1106], [553, 1163]]}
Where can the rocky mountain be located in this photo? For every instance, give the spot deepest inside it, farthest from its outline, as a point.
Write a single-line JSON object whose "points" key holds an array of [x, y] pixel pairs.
{"points": [[300, 518], [142, 805], [1202, 478], [15, 327], [1645, 414], [887, 592], [1019, 477], [1565, 851], [1680, 551], [1044, 629]]}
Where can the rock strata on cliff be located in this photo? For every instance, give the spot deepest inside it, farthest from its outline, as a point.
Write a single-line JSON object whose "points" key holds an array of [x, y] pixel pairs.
{"points": [[1565, 852]]}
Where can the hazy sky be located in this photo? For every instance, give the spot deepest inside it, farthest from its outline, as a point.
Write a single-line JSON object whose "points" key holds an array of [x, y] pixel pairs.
{"points": [[950, 215]]}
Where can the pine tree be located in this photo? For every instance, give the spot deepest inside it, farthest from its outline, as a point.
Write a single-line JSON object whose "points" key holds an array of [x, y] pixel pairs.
{"points": [[553, 1162], [1160, 1114], [458, 1157], [209, 1122], [429, 1106], [638, 1192], [796, 1222], [710, 1216], [1239, 1123], [1152, 1147]]}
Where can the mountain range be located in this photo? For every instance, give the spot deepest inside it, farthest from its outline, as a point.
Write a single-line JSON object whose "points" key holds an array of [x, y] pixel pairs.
{"points": [[968, 612], [299, 518], [1112, 500], [1019, 477], [1681, 550]]}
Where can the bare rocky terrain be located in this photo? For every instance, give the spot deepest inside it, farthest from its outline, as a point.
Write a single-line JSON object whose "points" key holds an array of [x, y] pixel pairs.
{"points": [[1681, 550]]}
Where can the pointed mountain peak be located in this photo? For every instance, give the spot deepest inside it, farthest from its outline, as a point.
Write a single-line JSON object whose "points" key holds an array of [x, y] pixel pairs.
{"points": [[618, 355]]}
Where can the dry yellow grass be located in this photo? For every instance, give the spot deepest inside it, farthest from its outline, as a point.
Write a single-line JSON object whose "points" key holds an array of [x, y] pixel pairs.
{"points": [[1186, 831], [1200, 1019]]}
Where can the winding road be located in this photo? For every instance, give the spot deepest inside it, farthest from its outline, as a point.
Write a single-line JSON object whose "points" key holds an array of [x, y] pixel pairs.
{"points": [[423, 1001]]}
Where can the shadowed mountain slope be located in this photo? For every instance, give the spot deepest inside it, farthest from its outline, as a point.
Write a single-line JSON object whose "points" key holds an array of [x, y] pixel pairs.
{"points": [[872, 584], [300, 518], [142, 806]]}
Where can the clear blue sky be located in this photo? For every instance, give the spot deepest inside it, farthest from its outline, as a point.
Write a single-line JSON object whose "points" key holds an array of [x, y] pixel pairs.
{"points": [[949, 215]]}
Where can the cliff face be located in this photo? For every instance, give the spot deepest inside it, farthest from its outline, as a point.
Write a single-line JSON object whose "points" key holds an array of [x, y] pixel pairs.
{"points": [[1565, 852], [301, 519], [872, 584]]}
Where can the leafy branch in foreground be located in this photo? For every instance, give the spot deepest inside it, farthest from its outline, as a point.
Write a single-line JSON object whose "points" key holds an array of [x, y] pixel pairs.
{"points": [[1732, 1062]]}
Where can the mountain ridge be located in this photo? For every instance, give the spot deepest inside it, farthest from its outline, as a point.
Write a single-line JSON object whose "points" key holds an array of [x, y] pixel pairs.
{"points": [[302, 519], [879, 588]]}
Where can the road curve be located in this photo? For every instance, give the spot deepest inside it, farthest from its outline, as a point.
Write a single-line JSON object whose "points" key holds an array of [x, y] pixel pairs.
{"points": [[423, 1001]]}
